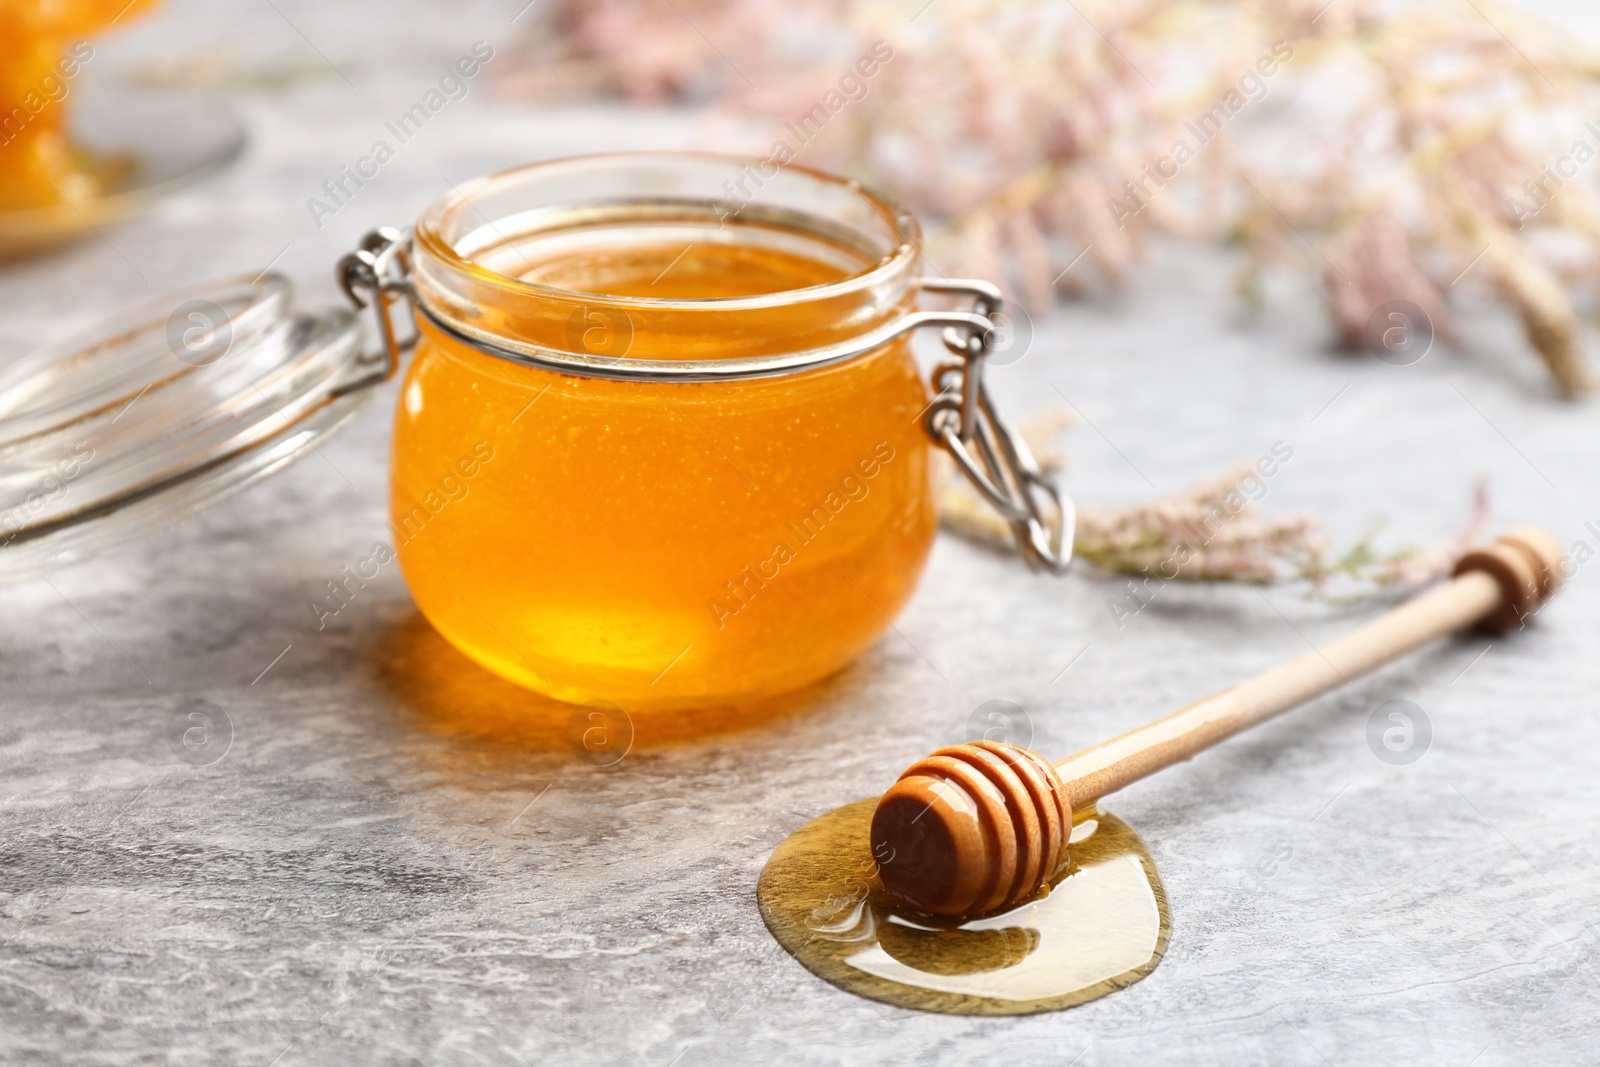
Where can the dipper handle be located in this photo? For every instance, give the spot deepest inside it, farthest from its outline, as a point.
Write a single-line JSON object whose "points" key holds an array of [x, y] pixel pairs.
{"points": [[1497, 587], [977, 826]]}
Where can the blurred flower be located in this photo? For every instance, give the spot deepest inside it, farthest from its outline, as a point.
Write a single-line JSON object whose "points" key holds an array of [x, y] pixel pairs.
{"points": [[1402, 150]]}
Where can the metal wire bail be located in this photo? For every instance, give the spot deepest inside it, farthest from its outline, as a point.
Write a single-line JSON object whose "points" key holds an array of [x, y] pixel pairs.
{"points": [[993, 456], [378, 275]]}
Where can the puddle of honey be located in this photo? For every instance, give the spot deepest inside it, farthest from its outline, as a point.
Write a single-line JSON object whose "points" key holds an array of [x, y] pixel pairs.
{"points": [[1101, 926]]}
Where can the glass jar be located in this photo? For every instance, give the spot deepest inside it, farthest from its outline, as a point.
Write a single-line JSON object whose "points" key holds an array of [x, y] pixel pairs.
{"points": [[663, 442], [648, 541]]}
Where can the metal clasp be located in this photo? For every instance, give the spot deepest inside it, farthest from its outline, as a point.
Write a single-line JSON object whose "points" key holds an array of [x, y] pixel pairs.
{"points": [[993, 456], [378, 275]]}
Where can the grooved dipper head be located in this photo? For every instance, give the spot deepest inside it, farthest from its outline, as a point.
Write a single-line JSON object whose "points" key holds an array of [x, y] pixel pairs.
{"points": [[1529, 565], [972, 828]]}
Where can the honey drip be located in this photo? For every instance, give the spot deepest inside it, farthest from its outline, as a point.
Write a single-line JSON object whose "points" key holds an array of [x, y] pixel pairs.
{"points": [[1102, 925]]}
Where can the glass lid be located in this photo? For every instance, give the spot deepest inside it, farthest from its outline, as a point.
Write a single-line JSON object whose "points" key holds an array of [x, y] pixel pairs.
{"points": [[163, 409]]}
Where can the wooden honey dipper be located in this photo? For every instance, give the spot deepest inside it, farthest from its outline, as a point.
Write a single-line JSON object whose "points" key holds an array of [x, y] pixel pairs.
{"points": [[979, 826]]}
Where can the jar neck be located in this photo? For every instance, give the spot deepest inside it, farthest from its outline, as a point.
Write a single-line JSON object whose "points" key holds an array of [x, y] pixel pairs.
{"points": [[477, 252]]}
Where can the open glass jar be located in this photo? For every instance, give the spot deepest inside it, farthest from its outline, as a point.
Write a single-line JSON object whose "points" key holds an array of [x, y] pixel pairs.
{"points": [[663, 442]]}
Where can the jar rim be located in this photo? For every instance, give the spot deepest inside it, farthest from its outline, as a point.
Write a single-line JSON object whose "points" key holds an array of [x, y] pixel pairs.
{"points": [[430, 238]]}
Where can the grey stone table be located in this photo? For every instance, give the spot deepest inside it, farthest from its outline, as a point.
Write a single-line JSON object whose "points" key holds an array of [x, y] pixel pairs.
{"points": [[394, 862]]}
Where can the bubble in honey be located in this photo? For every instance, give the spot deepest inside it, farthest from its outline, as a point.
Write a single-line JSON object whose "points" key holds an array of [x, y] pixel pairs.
{"points": [[1102, 925]]}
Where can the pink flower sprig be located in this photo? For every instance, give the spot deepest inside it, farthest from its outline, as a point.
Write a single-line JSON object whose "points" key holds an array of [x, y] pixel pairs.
{"points": [[1401, 150]]}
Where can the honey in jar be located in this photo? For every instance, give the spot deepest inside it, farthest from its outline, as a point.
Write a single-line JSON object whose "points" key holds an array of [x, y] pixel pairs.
{"points": [[646, 541]]}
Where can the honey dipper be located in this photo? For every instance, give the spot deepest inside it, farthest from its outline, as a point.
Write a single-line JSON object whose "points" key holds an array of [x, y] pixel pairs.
{"points": [[979, 826]]}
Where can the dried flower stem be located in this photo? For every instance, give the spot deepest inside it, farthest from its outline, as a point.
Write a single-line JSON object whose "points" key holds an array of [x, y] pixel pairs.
{"points": [[1213, 532]]}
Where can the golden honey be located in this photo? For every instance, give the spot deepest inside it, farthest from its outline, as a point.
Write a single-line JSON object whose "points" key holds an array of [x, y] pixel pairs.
{"points": [[41, 52], [1100, 926], [660, 544]]}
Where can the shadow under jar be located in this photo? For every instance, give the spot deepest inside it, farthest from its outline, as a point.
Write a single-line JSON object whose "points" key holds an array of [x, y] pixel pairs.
{"points": [[663, 442]]}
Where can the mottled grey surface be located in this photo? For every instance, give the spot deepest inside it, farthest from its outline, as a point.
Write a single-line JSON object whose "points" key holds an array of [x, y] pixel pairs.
{"points": [[375, 872]]}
